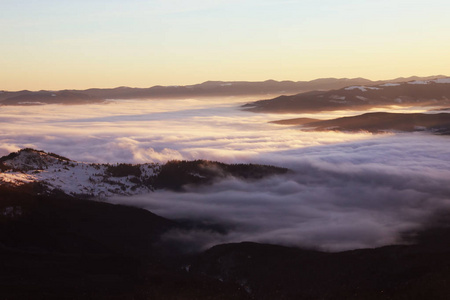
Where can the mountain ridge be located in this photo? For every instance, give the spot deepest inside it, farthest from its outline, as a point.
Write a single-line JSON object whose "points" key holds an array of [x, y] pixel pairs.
{"points": [[377, 122], [435, 92], [88, 180], [205, 89]]}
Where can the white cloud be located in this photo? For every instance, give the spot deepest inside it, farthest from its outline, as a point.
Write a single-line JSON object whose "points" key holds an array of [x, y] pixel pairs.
{"points": [[142, 131], [349, 190], [353, 195], [326, 204]]}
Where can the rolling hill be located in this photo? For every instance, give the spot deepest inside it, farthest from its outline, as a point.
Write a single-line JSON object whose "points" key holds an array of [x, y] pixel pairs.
{"points": [[379, 122], [359, 97], [206, 89]]}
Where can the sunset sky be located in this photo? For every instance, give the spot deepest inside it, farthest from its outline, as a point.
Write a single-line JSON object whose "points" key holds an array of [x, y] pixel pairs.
{"points": [[58, 44]]}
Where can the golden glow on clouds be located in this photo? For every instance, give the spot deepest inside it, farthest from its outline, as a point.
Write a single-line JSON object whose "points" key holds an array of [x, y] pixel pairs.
{"points": [[142, 131]]}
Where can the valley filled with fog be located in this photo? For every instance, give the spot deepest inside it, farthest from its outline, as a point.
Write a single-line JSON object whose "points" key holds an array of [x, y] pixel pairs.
{"points": [[346, 191], [137, 131]]}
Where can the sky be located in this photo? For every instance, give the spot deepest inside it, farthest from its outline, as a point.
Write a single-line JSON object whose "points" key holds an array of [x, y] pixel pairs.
{"points": [[59, 44]]}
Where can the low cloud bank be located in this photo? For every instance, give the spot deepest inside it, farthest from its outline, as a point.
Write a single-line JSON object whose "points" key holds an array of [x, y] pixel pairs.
{"points": [[154, 131], [348, 190], [354, 195]]}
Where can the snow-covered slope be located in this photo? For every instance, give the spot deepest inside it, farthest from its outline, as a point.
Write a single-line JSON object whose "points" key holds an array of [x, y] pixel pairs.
{"points": [[56, 172]]}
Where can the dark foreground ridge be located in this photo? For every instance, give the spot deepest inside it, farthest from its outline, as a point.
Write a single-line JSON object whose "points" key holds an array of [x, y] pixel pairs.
{"points": [[418, 271], [55, 246]]}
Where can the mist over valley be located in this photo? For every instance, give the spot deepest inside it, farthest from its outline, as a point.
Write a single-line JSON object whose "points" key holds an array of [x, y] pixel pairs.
{"points": [[182, 189]]}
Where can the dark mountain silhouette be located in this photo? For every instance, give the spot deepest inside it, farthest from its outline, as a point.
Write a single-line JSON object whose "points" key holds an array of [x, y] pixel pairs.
{"points": [[359, 97], [54, 246], [206, 89], [296, 121], [418, 271], [379, 122], [44, 97], [174, 175]]}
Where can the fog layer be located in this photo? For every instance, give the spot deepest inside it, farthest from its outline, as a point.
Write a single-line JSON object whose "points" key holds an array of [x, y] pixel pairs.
{"points": [[347, 190], [156, 130], [353, 195]]}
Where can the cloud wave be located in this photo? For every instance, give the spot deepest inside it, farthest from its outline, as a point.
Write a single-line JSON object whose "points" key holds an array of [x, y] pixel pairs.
{"points": [[348, 190], [353, 195]]}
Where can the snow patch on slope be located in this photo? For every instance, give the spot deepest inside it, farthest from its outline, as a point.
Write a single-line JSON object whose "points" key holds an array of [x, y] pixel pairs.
{"points": [[72, 177], [440, 80], [419, 82], [361, 88], [390, 84], [443, 80]]}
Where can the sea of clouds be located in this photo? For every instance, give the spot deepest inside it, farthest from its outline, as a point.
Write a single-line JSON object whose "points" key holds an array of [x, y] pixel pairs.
{"points": [[157, 131], [346, 191], [339, 197]]}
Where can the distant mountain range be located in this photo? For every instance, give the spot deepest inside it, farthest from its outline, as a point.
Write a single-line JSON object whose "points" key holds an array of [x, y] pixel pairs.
{"points": [[206, 89], [434, 92], [376, 122]]}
